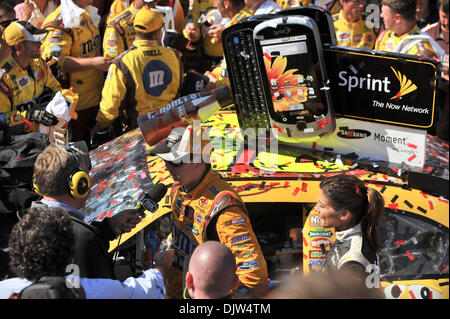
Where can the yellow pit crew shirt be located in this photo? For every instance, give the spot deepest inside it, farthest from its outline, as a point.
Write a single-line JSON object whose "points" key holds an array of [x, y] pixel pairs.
{"points": [[145, 78], [83, 42], [192, 214], [351, 34], [389, 42], [18, 86], [119, 33]]}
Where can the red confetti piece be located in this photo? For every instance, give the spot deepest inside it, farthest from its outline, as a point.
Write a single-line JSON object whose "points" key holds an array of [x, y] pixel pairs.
{"points": [[410, 256], [136, 185], [101, 215], [278, 128], [304, 187], [411, 294], [430, 203], [109, 213], [305, 242], [113, 202], [422, 193], [393, 206], [444, 268], [412, 157], [286, 184], [399, 242], [295, 192], [411, 145]]}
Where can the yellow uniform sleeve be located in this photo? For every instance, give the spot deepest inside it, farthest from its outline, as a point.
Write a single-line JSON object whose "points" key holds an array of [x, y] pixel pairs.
{"points": [[57, 44], [116, 8], [235, 231], [112, 42], [367, 41], [113, 93], [7, 114], [423, 48]]}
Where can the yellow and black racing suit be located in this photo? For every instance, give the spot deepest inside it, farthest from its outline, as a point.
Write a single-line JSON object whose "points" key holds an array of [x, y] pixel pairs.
{"points": [[75, 42], [20, 88], [351, 34], [214, 211], [141, 80], [414, 42], [119, 33]]}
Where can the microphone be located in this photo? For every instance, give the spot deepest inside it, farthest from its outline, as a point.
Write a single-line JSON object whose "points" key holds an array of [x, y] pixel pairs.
{"points": [[149, 201]]}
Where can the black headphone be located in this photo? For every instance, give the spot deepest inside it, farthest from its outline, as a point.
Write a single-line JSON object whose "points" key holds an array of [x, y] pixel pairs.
{"points": [[78, 182]]}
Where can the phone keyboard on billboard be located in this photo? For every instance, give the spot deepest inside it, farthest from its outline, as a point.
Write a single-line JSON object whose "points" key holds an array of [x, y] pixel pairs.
{"points": [[245, 79]]}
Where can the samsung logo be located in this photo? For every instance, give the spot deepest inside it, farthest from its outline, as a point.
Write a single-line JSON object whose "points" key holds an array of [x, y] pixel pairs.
{"points": [[353, 134]]}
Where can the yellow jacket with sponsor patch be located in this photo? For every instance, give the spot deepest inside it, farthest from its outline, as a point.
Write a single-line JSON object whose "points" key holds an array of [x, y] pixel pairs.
{"points": [[351, 34], [414, 43], [144, 78], [19, 86], [83, 42], [214, 211], [117, 7], [119, 33]]}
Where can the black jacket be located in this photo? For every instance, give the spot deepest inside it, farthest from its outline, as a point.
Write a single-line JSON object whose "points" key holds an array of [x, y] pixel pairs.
{"points": [[91, 246]]}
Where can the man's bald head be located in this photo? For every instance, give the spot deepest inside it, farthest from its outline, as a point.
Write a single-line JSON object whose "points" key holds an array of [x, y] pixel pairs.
{"points": [[212, 271]]}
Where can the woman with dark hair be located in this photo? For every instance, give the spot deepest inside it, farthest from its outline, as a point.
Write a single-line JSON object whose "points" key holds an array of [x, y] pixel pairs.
{"points": [[355, 211]]}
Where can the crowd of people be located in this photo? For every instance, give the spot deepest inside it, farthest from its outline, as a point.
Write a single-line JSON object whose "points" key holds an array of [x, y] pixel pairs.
{"points": [[212, 251], [104, 63], [115, 60]]}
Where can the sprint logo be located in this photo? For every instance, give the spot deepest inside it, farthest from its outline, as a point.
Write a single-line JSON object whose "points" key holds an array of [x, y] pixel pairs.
{"points": [[406, 85]]}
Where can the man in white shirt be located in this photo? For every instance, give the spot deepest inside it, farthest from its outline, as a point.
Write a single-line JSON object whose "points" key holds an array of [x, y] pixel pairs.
{"points": [[41, 246]]}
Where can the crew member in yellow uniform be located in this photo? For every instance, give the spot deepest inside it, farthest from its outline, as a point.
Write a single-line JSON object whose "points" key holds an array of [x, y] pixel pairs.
{"points": [[25, 79], [201, 16], [118, 6], [205, 207], [142, 79], [72, 47], [351, 28], [119, 32], [402, 35]]}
